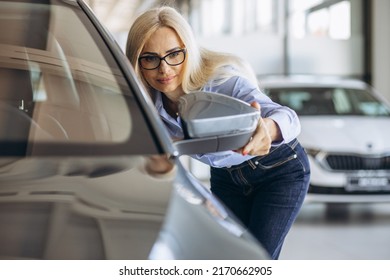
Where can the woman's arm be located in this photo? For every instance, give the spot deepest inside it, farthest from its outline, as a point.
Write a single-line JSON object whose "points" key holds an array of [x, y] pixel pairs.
{"points": [[278, 124], [267, 132]]}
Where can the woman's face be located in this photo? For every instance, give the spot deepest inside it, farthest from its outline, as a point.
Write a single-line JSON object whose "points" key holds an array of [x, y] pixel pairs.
{"points": [[165, 78]]}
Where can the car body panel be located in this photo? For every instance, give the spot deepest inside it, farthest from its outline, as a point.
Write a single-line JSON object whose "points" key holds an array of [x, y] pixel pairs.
{"points": [[64, 209], [346, 134]]}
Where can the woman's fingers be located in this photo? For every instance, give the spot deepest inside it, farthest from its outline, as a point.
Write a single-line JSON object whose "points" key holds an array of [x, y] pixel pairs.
{"points": [[260, 142]]}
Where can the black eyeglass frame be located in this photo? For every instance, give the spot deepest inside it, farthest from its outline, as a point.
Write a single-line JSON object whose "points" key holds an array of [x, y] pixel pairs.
{"points": [[184, 51]]}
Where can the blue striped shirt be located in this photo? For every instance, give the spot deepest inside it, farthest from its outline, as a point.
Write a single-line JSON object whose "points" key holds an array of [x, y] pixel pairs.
{"points": [[243, 89]]}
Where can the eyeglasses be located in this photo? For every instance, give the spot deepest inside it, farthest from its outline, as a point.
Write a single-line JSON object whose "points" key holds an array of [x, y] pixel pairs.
{"points": [[151, 62]]}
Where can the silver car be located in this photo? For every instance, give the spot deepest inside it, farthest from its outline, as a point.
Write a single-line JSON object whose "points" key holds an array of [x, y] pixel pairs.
{"points": [[345, 133], [82, 152]]}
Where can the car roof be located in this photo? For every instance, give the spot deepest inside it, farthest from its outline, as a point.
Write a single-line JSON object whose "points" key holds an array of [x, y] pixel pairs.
{"points": [[310, 81]]}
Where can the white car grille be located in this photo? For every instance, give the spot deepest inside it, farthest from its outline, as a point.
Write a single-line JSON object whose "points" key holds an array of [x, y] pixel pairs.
{"points": [[356, 162]]}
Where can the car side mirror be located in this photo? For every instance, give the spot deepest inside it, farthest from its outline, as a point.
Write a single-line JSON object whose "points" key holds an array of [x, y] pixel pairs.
{"points": [[214, 122]]}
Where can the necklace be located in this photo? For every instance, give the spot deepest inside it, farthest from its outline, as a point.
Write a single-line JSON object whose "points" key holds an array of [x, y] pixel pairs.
{"points": [[170, 107]]}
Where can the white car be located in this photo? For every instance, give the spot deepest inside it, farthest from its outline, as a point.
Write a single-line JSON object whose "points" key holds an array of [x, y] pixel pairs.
{"points": [[345, 131]]}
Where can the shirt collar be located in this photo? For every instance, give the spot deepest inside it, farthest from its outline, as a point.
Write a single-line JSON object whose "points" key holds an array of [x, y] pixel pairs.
{"points": [[160, 107]]}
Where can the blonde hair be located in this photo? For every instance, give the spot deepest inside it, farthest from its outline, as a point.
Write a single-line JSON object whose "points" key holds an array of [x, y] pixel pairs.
{"points": [[201, 64]]}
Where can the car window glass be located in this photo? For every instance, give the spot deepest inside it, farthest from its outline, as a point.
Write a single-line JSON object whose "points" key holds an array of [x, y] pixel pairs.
{"points": [[329, 101], [368, 105], [59, 81], [341, 101]]}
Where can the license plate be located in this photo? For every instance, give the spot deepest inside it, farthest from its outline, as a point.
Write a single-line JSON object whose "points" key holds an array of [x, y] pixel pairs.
{"points": [[368, 184]]}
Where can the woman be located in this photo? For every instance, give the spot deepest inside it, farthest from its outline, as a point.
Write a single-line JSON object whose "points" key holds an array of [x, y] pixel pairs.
{"points": [[264, 183]]}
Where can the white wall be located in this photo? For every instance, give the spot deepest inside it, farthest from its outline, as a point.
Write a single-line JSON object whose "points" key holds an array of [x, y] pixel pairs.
{"points": [[309, 55], [327, 57], [262, 51], [381, 46]]}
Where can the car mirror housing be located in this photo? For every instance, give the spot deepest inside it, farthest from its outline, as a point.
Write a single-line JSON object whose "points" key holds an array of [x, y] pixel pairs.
{"points": [[212, 144], [214, 122]]}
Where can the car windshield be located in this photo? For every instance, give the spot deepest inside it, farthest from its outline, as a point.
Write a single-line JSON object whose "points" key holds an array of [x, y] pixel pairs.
{"points": [[60, 83], [329, 101]]}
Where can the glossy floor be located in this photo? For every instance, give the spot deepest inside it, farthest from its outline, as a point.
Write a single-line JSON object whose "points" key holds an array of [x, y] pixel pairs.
{"points": [[340, 232]]}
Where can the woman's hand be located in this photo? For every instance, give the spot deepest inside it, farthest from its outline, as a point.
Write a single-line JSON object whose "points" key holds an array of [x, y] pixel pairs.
{"points": [[158, 165], [266, 132]]}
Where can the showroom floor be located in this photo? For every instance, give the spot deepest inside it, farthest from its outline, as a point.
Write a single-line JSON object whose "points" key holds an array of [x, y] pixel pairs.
{"points": [[345, 232]]}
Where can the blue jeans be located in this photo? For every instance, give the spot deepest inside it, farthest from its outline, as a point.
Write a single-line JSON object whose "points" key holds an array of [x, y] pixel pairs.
{"points": [[266, 192]]}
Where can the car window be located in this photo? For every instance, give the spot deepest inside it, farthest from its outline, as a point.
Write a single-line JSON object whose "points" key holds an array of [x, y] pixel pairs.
{"points": [[367, 104], [329, 101], [59, 82]]}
